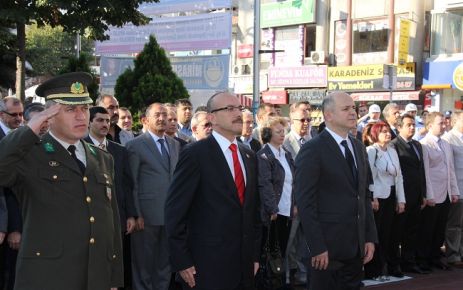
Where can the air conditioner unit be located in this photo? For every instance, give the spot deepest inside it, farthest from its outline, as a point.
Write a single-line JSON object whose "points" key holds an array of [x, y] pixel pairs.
{"points": [[317, 57]]}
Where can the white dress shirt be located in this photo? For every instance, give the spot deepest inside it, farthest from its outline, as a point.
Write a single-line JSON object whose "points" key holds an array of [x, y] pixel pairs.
{"points": [[5, 128], [284, 206], [80, 150], [98, 143], [339, 139], [224, 144], [158, 145]]}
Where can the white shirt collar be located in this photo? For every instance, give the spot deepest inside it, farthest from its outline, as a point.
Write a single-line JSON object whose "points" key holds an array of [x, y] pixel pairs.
{"points": [[224, 143], [96, 142], [277, 152], [434, 138], [155, 137], [5, 128], [336, 137], [65, 144]]}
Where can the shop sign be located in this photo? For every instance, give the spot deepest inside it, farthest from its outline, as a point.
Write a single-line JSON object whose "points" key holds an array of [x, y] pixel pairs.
{"points": [[245, 50], [275, 97], [458, 77], [385, 96], [314, 76], [368, 78], [245, 84], [290, 12], [314, 97]]}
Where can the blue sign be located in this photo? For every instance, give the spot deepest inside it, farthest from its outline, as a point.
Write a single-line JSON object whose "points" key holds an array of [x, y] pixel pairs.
{"points": [[439, 72], [202, 72]]}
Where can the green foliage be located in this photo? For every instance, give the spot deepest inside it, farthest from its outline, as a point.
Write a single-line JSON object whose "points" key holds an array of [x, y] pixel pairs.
{"points": [[48, 49], [82, 64], [151, 80], [7, 56]]}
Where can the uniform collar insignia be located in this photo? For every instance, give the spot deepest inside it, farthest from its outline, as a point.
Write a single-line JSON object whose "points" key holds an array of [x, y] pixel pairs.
{"points": [[91, 149], [49, 147], [53, 163]]}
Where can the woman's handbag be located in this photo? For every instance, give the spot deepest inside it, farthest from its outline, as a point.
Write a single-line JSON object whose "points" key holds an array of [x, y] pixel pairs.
{"points": [[270, 274]]}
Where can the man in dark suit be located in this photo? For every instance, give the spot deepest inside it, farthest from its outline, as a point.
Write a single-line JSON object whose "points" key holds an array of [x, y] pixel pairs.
{"points": [[116, 133], [11, 117], [405, 225], [71, 232], [336, 217], [391, 115], [246, 134], [153, 157], [212, 210], [99, 126]]}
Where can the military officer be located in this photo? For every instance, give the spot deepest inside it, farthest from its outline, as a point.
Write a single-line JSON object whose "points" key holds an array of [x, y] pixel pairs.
{"points": [[71, 233]]}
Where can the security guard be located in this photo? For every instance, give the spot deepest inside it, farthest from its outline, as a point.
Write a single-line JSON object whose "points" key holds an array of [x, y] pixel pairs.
{"points": [[71, 234]]}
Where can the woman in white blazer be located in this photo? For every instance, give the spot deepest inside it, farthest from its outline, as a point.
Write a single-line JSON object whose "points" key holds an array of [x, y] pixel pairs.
{"points": [[388, 194]]}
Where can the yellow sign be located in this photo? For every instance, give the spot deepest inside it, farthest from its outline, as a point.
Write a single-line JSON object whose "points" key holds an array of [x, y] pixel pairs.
{"points": [[404, 42], [458, 77]]}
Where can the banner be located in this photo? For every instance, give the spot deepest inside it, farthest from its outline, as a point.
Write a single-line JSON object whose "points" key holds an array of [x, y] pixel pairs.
{"points": [[303, 76], [202, 72], [368, 78], [176, 6], [111, 68], [198, 32], [290, 12]]}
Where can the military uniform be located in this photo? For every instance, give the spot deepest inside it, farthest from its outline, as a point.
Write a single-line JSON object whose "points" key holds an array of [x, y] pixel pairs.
{"points": [[71, 233]]}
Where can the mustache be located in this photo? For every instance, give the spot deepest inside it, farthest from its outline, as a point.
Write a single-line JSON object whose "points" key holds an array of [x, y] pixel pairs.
{"points": [[238, 120]]}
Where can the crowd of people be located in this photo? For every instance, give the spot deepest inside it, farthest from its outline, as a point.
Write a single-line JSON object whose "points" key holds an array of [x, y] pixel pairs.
{"points": [[192, 199]]}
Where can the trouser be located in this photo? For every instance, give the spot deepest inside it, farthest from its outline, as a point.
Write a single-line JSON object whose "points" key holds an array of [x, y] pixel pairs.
{"points": [[453, 234], [297, 253], [383, 220], [431, 233], [127, 262], [150, 259], [346, 275], [404, 232]]}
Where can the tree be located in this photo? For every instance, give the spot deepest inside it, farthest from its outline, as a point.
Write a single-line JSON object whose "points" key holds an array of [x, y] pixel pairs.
{"points": [[48, 49], [75, 16], [7, 55], [151, 80]]}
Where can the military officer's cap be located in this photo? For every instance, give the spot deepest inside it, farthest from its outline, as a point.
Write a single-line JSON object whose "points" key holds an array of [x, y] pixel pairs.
{"points": [[67, 89]]}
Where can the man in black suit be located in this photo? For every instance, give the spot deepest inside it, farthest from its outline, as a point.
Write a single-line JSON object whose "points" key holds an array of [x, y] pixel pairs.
{"points": [[212, 209], [11, 117], [405, 225], [336, 217], [99, 127], [246, 134]]}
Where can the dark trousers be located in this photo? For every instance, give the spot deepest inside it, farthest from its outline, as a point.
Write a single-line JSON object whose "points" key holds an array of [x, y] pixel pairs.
{"points": [[127, 262], [340, 275], [431, 233], [8, 258], [404, 232], [383, 220]]}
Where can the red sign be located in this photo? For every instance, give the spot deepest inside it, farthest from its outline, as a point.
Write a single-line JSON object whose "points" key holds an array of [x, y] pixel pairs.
{"points": [[245, 50], [275, 97], [384, 96]]}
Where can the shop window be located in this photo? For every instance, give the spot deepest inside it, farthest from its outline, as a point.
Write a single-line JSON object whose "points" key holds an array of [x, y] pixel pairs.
{"points": [[365, 40], [309, 41], [446, 33]]}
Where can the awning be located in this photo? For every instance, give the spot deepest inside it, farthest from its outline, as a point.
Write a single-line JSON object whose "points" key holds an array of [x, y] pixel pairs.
{"points": [[436, 86], [385, 96]]}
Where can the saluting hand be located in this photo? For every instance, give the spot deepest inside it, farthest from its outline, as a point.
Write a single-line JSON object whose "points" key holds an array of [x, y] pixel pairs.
{"points": [[39, 119]]}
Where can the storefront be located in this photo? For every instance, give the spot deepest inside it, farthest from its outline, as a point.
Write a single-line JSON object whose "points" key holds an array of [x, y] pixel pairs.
{"points": [[444, 79]]}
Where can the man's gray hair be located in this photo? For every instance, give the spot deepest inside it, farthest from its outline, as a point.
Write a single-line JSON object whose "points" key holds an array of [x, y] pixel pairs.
{"points": [[328, 102], [195, 118], [388, 108], [100, 100], [4, 102]]}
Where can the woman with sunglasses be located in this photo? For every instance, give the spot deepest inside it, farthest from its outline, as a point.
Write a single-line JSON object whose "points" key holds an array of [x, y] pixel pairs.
{"points": [[388, 196], [275, 183]]}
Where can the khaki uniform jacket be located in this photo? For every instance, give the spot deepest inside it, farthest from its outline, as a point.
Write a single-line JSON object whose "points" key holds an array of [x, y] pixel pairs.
{"points": [[71, 234]]}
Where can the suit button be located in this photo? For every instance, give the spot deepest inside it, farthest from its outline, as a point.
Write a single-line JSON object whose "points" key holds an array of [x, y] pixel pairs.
{"points": [[85, 179], [358, 216], [88, 199], [37, 254], [92, 241], [55, 177], [92, 219], [114, 256]]}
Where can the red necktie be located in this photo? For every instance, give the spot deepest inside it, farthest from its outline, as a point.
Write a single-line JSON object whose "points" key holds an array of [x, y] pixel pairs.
{"points": [[239, 178]]}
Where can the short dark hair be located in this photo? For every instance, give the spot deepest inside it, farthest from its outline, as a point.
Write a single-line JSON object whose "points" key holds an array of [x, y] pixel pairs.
{"points": [[95, 110], [31, 108], [183, 102], [400, 121]]}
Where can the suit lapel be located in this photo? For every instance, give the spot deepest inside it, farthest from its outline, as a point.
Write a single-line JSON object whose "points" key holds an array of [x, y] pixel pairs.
{"points": [[92, 162], [218, 158], [358, 158], [59, 153], [294, 143], [149, 142], [246, 161], [172, 153]]}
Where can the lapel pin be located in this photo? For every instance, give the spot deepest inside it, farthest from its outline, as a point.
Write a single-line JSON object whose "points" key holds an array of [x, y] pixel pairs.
{"points": [[49, 147], [247, 155], [91, 149], [53, 163]]}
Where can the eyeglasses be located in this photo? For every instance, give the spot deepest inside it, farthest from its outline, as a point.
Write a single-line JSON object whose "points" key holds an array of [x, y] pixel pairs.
{"points": [[229, 109], [14, 115], [207, 125], [303, 120]]}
